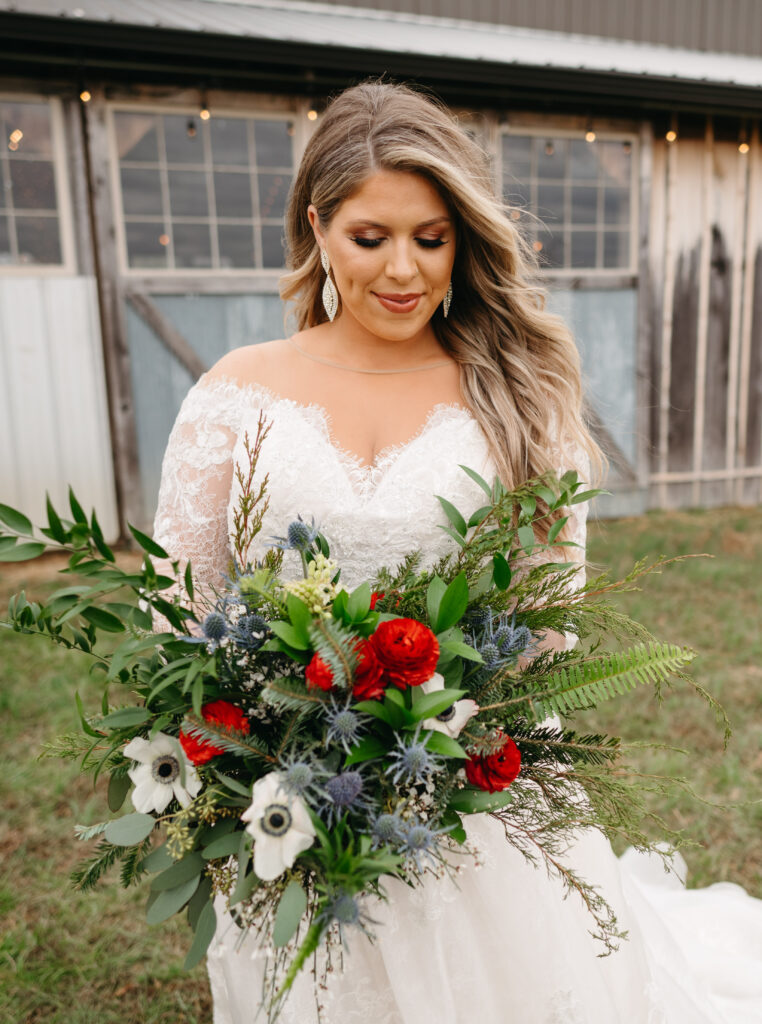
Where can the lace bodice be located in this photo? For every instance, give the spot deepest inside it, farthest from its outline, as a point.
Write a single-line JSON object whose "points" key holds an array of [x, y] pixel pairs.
{"points": [[372, 515]]}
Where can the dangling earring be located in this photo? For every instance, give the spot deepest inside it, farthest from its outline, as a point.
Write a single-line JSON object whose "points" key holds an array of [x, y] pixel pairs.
{"points": [[446, 301], [330, 295]]}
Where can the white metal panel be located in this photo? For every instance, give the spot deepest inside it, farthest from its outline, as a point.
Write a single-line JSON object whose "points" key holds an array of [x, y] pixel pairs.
{"points": [[53, 406]]}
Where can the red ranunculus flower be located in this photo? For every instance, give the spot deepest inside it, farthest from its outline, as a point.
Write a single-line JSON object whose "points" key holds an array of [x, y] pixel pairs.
{"points": [[369, 683], [375, 596], [222, 712], [408, 651], [318, 674], [495, 771]]}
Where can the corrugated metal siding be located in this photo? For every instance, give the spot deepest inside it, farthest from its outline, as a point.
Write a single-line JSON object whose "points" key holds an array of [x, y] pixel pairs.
{"points": [[53, 407], [725, 26]]}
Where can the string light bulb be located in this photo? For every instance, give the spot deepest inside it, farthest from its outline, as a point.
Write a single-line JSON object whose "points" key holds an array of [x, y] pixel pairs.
{"points": [[743, 147], [312, 114], [204, 113], [671, 135], [589, 132], [549, 148], [743, 140], [191, 129], [85, 96]]}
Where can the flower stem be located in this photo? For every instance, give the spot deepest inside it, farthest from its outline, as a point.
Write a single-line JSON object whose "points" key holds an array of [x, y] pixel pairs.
{"points": [[307, 948]]}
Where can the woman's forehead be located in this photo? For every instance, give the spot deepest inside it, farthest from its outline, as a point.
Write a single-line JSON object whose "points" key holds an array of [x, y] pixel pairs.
{"points": [[401, 195]]}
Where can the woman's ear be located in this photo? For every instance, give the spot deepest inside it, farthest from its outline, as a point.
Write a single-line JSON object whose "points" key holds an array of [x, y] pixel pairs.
{"points": [[314, 219]]}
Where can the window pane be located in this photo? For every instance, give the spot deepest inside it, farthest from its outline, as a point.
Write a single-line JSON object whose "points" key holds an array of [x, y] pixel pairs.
{"points": [[141, 190], [272, 246], [5, 241], [232, 192], [272, 140], [147, 244], [236, 243], [32, 121], [229, 141], [616, 206], [38, 239], [183, 148], [516, 194], [616, 249], [550, 203], [34, 186], [551, 157], [193, 245], [187, 193], [584, 159], [550, 248], [273, 193], [517, 157], [584, 204], [136, 137], [583, 249], [616, 161]]}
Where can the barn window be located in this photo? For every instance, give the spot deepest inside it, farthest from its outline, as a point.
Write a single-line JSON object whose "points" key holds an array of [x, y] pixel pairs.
{"points": [[31, 192], [574, 198], [203, 194]]}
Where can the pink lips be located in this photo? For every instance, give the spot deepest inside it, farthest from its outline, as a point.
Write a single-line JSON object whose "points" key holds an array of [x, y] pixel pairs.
{"points": [[399, 303]]}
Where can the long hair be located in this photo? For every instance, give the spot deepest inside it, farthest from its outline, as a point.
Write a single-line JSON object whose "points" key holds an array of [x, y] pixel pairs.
{"points": [[519, 366]]}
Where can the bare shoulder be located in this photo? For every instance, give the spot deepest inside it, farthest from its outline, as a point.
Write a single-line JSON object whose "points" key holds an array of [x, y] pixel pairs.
{"points": [[263, 363]]}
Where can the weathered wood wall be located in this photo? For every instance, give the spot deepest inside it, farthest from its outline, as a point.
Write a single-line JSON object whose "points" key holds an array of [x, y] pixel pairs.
{"points": [[706, 319]]}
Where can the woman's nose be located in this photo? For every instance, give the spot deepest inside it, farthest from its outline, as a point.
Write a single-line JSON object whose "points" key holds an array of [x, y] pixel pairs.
{"points": [[401, 264]]}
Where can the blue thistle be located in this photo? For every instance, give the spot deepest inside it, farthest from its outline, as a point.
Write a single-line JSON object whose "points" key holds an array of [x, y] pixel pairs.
{"points": [[299, 536], [249, 632], [420, 842], [345, 793], [387, 829], [344, 725], [215, 628], [301, 777], [344, 909], [412, 763], [500, 641]]}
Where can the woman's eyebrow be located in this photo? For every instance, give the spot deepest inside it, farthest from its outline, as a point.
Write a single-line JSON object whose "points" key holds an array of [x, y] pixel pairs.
{"points": [[384, 227]]}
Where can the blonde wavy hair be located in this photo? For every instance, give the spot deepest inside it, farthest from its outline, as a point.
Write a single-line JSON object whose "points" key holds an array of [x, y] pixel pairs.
{"points": [[519, 366]]}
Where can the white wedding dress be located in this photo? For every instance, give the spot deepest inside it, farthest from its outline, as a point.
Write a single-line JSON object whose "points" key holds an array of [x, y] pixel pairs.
{"points": [[504, 947]]}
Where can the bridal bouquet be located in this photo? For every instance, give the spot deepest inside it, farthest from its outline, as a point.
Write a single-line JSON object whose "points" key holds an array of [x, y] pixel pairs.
{"points": [[284, 744]]}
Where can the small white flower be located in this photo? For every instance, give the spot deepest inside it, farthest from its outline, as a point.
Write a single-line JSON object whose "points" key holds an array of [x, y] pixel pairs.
{"points": [[158, 775], [280, 824], [452, 720]]}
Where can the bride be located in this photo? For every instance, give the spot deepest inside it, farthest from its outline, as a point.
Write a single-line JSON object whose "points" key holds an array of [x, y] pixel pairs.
{"points": [[421, 347]]}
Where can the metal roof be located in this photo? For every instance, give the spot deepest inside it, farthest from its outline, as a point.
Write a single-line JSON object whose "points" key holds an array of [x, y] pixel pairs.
{"points": [[371, 41]]}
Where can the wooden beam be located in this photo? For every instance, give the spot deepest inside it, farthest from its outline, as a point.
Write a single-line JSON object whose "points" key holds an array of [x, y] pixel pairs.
{"points": [[705, 267], [116, 354], [166, 332]]}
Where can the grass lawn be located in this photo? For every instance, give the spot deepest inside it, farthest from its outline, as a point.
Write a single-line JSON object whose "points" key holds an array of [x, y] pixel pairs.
{"points": [[68, 958]]}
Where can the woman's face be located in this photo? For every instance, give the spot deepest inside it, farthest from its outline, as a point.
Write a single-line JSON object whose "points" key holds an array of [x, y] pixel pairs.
{"points": [[391, 246]]}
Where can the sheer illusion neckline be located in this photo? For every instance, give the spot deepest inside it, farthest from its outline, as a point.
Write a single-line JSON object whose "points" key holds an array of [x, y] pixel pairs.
{"points": [[320, 418]]}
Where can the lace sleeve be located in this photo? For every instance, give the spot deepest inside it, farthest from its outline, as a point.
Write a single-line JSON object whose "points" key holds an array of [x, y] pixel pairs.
{"points": [[196, 477]]}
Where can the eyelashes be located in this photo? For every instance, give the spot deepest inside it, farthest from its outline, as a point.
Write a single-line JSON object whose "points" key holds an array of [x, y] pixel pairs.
{"points": [[373, 243]]}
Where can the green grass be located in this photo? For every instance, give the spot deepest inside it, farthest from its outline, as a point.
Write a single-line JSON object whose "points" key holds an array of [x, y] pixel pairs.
{"points": [[71, 958]]}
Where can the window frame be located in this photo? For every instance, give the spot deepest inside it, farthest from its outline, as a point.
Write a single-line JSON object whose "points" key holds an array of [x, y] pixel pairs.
{"points": [[603, 134], [262, 275], [68, 265]]}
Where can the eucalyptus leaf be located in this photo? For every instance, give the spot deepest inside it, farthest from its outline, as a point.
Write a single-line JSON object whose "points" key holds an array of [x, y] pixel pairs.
{"points": [[225, 846], [205, 929], [191, 865], [129, 830], [118, 788], [471, 801], [158, 860], [292, 905], [170, 901], [125, 718]]}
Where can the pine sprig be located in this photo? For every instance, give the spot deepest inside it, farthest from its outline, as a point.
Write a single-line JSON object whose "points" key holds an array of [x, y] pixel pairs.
{"points": [[227, 740], [563, 746], [87, 874], [292, 694], [336, 644]]}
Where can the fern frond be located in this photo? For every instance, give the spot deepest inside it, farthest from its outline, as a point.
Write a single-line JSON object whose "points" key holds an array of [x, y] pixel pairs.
{"points": [[336, 644], [227, 740], [587, 683]]}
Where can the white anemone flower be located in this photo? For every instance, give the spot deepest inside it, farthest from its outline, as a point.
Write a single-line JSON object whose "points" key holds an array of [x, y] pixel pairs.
{"points": [[158, 775], [452, 719], [280, 824]]}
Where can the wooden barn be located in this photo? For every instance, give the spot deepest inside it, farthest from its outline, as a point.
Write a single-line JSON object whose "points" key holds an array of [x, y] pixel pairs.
{"points": [[146, 152]]}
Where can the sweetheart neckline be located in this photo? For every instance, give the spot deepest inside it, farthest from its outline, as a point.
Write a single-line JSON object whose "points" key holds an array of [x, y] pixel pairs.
{"points": [[365, 472]]}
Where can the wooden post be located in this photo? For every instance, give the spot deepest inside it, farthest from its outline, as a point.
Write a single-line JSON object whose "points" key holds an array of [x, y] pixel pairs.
{"points": [[705, 266], [644, 329], [113, 325], [740, 269], [752, 238], [666, 319]]}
